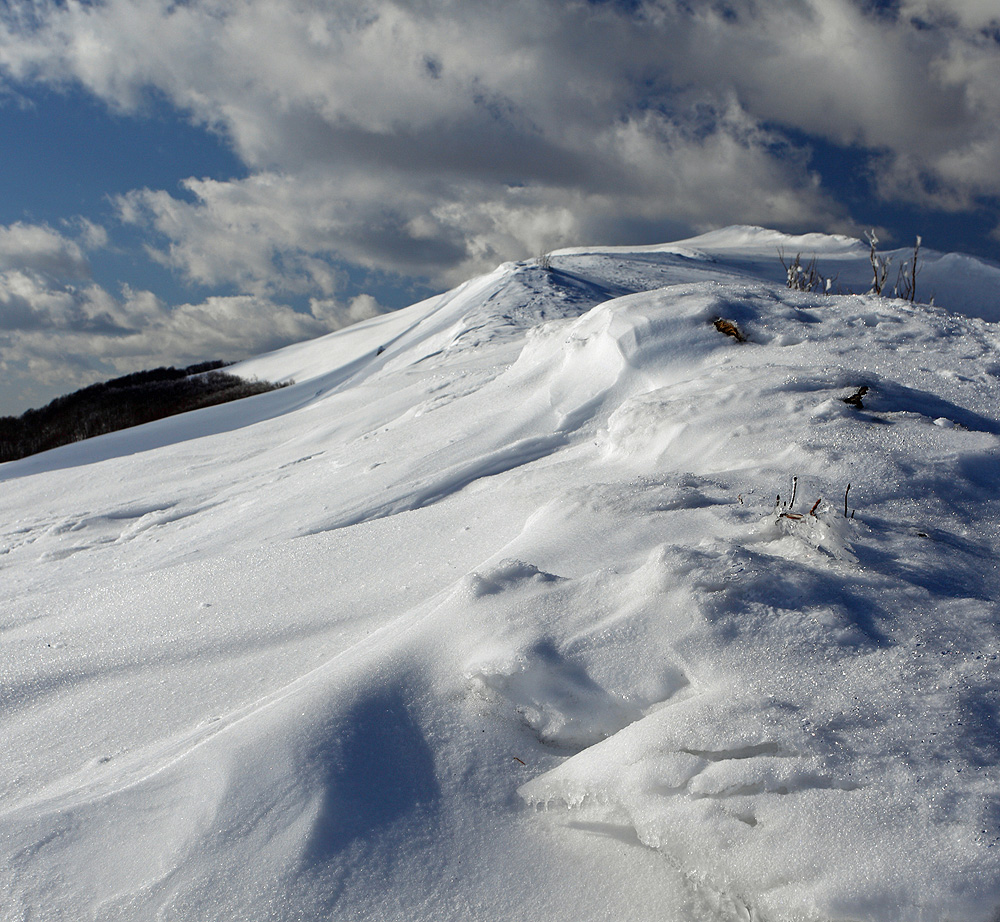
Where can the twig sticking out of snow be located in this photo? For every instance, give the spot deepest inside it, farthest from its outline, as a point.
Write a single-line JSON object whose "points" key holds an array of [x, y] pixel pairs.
{"points": [[848, 490], [906, 281], [855, 399], [880, 264]]}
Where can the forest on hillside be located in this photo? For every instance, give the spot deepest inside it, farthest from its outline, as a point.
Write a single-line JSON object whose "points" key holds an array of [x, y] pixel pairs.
{"points": [[122, 402]]}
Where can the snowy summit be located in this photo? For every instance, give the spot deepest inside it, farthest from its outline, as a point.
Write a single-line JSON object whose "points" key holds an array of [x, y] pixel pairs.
{"points": [[543, 599]]}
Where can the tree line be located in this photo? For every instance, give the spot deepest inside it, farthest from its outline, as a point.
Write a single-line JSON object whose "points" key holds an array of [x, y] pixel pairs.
{"points": [[131, 400]]}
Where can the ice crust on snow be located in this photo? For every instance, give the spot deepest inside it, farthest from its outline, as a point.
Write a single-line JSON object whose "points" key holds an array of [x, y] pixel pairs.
{"points": [[504, 610]]}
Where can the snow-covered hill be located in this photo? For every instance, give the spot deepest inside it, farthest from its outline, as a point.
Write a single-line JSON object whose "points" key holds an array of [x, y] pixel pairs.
{"points": [[493, 614]]}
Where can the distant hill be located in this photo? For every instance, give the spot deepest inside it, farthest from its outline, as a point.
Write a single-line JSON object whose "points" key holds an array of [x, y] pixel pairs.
{"points": [[131, 400]]}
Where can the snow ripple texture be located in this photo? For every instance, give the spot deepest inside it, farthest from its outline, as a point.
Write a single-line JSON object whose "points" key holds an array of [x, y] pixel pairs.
{"points": [[542, 599]]}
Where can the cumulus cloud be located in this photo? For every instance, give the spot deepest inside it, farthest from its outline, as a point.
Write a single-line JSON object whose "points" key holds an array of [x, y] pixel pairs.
{"points": [[274, 232], [402, 133], [68, 337], [60, 327], [436, 139], [970, 14], [40, 248]]}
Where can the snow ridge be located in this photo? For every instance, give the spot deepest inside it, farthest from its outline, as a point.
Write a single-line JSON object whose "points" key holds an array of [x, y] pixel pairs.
{"points": [[540, 599]]}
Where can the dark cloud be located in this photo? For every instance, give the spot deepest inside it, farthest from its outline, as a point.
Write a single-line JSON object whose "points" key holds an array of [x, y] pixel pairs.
{"points": [[417, 102], [434, 139]]}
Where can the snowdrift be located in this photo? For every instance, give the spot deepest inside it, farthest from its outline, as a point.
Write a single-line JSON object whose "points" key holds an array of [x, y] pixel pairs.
{"points": [[544, 598]]}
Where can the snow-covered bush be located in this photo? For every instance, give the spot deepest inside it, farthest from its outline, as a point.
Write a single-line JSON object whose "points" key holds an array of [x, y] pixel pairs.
{"points": [[804, 278]]}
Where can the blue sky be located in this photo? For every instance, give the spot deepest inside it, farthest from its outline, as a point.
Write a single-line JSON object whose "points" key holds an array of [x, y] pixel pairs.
{"points": [[66, 154], [211, 179]]}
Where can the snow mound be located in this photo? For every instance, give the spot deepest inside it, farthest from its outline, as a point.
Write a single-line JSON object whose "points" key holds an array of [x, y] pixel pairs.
{"points": [[547, 594]]}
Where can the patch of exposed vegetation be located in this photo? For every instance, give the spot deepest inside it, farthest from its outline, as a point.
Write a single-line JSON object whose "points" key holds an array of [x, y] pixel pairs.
{"points": [[729, 328]]}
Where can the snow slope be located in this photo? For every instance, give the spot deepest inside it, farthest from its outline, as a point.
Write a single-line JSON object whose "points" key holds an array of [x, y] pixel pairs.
{"points": [[493, 614]]}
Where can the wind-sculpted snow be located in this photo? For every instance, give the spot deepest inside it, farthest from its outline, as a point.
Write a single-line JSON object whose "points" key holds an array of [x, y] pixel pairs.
{"points": [[543, 599]]}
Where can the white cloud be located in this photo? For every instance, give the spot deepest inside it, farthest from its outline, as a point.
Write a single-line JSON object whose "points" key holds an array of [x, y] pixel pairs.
{"points": [[273, 232], [970, 14], [410, 100], [434, 139], [40, 248], [57, 336]]}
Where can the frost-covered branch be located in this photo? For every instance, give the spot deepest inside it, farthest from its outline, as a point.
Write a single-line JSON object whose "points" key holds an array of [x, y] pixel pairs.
{"points": [[880, 264], [804, 278], [906, 282]]}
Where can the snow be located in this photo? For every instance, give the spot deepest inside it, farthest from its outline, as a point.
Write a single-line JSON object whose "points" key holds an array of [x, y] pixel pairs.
{"points": [[493, 614]]}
